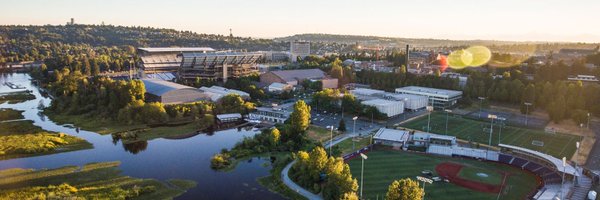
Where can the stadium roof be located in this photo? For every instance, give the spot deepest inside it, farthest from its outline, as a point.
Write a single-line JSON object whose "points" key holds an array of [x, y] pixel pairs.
{"points": [[555, 161], [429, 91], [176, 49], [299, 74], [160, 87], [192, 59], [391, 135]]}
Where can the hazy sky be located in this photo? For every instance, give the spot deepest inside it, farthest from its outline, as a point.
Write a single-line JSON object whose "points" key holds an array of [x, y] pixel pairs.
{"points": [[539, 20]]}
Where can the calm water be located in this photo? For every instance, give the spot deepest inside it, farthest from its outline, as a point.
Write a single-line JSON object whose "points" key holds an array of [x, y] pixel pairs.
{"points": [[160, 159]]}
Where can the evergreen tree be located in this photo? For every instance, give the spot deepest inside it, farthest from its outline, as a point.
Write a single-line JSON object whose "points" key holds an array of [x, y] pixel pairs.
{"points": [[342, 125]]}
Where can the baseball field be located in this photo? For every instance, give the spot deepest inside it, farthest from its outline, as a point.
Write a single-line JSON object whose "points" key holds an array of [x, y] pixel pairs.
{"points": [[468, 179], [556, 144]]}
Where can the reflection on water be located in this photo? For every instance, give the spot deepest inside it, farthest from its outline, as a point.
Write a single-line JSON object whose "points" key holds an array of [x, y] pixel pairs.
{"points": [[183, 158]]}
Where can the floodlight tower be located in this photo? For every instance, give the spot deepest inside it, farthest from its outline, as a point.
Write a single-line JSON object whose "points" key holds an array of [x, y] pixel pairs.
{"points": [[527, 104], [480, 104]]}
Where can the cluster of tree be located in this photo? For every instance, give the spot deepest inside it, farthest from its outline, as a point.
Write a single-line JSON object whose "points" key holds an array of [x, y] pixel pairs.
{"points": [[335, 100], [561, 99], [233, 103], [344, 74], [290, 136], [77, 94], [321, 173], [391, 81], [405, 189]]}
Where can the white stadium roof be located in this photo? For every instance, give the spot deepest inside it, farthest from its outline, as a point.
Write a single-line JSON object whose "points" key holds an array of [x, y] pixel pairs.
{"points": [[391, 135], [555, 161], [176, 49]]}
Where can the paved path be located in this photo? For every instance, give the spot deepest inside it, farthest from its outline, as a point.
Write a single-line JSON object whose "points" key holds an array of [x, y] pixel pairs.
{"points": [[293, 186]]}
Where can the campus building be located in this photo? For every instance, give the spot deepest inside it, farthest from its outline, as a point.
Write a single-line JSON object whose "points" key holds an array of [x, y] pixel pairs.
{"points": [[164, 59], [438, 98], [299, 49], [387, 107], [411, 102], [391, 137], [295, 77], [215, 92], [275, 114], [217, 65], [171, 93]]}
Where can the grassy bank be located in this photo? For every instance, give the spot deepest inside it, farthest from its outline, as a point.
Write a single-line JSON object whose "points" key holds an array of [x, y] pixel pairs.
{"points": [[92, 181], [16, 98], [273, 182], [23, 139], [352, 144], [10, 114], [320, 134], [129, 133]]}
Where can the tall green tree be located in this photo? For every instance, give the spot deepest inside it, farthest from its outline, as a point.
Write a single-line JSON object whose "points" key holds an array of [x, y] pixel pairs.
{"points": [[405, 189], [300, 117]]}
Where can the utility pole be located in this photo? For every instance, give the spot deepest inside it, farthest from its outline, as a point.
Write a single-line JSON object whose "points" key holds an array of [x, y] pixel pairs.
{"points": [[447, 112], [492, 117], [362, 169], [480, 105]]}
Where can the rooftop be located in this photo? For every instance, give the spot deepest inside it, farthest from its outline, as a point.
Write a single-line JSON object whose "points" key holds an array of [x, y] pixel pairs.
{"points": [[175, 49], [159, 87], [555, 161], [292, 75], [391, 135], [365, 91], [430, 90], [381, 102]]}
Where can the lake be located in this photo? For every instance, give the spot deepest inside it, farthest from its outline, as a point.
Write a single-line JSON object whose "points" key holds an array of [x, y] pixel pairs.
{"points": [[160, 159]]}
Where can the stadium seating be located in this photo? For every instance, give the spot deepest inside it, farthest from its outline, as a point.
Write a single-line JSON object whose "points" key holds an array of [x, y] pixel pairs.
{"points": [[518, 162], [505, 158]]}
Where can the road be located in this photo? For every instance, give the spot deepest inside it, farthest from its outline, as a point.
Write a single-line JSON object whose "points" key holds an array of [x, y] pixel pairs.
{"points": [[593, 161]]}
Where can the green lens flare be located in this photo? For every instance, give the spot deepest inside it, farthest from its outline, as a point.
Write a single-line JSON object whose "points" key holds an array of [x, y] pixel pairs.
{"points": [[459, 59], [480, 55]]}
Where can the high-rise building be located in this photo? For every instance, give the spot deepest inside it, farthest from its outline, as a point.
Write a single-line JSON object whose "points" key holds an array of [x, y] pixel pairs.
{"points": [[299, 49]]}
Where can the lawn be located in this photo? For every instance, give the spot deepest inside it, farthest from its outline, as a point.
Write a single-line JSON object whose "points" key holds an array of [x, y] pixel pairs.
{"points": [[346, 146], [320, 134], [384, 166], [558, 145], [481, 175], [92, 181]]}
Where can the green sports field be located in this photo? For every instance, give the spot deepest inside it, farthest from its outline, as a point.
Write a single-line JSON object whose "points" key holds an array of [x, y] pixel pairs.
{"points": [[558, 145], [384, 166]]}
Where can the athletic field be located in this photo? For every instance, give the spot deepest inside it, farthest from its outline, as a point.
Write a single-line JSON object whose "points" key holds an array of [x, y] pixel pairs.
{"points": [[384, 166], [555, 144]]}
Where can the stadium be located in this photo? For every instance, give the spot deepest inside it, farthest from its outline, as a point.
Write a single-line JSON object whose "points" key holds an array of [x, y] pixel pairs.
{"points": [[521, 164]]}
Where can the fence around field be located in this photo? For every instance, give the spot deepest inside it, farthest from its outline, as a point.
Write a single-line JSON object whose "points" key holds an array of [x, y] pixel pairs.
{"points": [[358, 152]]}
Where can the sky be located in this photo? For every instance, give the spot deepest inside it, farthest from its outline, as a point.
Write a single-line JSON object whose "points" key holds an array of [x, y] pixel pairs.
{"points": [[514, 20]]}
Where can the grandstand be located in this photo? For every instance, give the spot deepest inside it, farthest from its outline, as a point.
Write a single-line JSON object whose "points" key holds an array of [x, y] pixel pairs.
{"points": [[218, 65], [163, 59]]}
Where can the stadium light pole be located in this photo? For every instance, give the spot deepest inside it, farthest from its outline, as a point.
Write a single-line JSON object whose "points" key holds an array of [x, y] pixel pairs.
{"points": [[362, 169], [575, 161], [527, 104], [501, 125], [588, 122], [429, 109], [331, 139], [480, 104], [492, 117], [354, 126], [562, 183], [424, 180], [447, 112]]}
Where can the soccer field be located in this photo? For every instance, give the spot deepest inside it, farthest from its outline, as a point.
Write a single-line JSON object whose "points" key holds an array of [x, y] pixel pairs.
{"points": [[558, 145], [384, 166]]}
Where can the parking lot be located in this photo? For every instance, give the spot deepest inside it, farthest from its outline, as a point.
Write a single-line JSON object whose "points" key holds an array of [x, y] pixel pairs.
{"points": [[324, 119]]}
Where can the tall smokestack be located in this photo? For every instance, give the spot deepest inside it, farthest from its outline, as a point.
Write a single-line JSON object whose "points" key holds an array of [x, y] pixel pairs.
{"points": [[407, 56]]}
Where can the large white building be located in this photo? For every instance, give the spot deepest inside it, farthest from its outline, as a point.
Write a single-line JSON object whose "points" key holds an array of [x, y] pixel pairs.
{"points": [[299, 49], [391, 137], [411, 102], [275, 114], [388, 107], [439, 98]]}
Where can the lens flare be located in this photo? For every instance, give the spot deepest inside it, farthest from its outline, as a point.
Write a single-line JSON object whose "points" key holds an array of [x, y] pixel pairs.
{"points": [[511, 56], [460, 59], [480, 55]]}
